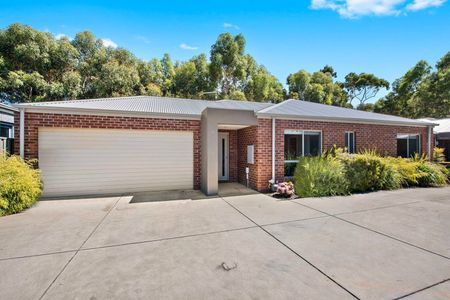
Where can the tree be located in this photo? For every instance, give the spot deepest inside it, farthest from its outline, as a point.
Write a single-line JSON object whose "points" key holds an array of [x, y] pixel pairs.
{"points": [[401, 100], [191, 78], [316, 87], [228, 63], [263, 86], [329, 69], [363, 87], [168, 72]]}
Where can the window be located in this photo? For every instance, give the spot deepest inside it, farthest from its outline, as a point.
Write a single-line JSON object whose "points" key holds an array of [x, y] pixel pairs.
{"points": [[350, 142], [408, 145], [300, 143], [5, 131]]}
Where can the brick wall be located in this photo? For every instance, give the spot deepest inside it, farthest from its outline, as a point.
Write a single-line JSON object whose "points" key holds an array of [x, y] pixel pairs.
{"points": [[35, 120], [246, 136], [232, 155], [379, 137]]}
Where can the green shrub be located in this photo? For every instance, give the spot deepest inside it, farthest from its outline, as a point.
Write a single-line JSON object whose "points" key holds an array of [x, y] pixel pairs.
{"points": [[20, 185], [320, 176], [438, 155], [370, 172], [433, 174], [408, 170]]}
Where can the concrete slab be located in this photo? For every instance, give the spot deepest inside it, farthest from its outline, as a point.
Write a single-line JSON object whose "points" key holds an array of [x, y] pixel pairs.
{"points": [[128, 223], [267, 210], [425, 224], [51, 226], [438, 292], [190, 268], [359, 202], [27, 278], [368, 264]]}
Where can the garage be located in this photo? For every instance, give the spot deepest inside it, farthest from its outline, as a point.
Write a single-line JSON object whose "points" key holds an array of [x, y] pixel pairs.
{"points": [[79, 161]]}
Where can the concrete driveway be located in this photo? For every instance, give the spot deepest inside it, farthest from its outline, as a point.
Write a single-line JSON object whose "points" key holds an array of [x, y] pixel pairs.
{"points": [[383, 245]]}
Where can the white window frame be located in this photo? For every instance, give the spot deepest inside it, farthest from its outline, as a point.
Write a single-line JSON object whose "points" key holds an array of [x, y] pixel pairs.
{"points": [[407, 142], [348, 141], [302, 132]]}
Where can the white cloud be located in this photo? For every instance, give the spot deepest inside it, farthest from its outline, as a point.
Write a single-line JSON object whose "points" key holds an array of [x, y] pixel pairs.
{"points": [[229, 25], [423, 4], [109, 43], [187, 47], [143, 39], [357, 8]]}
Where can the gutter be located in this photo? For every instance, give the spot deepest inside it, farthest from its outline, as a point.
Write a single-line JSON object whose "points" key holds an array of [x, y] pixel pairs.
{"points": [[430, 133], [273, 149], [22, 132]]}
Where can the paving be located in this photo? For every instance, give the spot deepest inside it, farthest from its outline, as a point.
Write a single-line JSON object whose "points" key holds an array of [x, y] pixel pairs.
{"points": [[238, 245]]}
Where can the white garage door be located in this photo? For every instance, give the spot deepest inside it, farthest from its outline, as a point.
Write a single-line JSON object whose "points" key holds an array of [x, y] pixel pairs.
{"points": [[102, 161]]}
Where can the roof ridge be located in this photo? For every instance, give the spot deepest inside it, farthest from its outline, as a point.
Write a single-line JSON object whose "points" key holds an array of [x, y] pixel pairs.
{"points": [[267, 109]]}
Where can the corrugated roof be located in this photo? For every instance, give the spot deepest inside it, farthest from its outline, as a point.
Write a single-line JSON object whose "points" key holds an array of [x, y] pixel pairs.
{"points": [[443, 125], [149, 104], [296, 109], [310, 110]]}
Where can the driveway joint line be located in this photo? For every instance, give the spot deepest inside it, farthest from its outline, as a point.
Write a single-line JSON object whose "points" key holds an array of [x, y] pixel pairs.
{"points": [[37, 255], [168, 238], [76, 252], [293, 251], [376, 208], [423, 289], [375, 231]]}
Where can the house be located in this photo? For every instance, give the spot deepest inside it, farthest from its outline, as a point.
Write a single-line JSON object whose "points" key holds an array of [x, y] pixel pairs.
{"points": [[144, 143], [442, 134], [6, 128]]}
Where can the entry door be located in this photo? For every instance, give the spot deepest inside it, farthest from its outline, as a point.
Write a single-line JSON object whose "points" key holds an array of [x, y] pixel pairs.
{"points": [[223, 155]]}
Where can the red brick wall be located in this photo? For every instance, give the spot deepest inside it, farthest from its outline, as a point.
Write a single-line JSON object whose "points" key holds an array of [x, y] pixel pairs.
{"points": [[246, 136], [381, 138], [35, 120], [233, 155]]}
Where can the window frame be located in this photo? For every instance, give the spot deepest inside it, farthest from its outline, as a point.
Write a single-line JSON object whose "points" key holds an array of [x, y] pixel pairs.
{"points": [[348, 141], [419, 150], [302, 133]]}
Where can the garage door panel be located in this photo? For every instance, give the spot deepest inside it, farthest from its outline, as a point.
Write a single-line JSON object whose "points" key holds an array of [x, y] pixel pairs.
{"points": [[93, 161]]}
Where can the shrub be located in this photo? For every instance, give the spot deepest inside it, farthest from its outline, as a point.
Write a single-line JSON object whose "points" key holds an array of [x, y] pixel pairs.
{"points": [[408, 170], [320, 176], [20, 185], [438, 155], [369, 172], [433, 174]]}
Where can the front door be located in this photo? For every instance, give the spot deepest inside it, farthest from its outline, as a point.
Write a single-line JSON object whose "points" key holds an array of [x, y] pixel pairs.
{"points": [[223, 156]]}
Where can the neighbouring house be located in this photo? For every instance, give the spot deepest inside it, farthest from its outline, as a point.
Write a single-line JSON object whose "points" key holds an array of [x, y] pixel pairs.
{"points": [[7, 128], [442, 134], [143, 143]]}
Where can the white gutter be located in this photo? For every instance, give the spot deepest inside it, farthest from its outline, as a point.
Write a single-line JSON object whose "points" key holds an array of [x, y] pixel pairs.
{"points": [[22, 132], [273, 149]]}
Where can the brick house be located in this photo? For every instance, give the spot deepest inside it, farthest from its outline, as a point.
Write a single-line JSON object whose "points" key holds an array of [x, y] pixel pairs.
{"points": [[131, 144]]}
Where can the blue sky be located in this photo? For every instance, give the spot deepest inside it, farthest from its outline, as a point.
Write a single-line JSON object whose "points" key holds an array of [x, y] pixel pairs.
{"points": [[384, 37]]}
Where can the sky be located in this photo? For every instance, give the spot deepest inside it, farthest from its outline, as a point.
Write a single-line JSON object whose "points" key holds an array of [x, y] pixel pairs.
{"points": [[383, 37]]}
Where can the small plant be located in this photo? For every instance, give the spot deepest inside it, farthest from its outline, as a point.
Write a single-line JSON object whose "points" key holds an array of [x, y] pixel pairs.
{"points": [[286, 189], [320, 176], [20, 185], [434, 175], [438, 155]]}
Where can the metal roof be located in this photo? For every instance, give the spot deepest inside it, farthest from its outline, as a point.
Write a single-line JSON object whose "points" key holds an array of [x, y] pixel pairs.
{"points": [[298, 109], [147, 104], [442, 128], [177, 107]]}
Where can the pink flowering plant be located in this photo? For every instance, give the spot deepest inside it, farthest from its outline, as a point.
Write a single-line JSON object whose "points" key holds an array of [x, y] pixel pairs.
{"points": [[285, 189]]}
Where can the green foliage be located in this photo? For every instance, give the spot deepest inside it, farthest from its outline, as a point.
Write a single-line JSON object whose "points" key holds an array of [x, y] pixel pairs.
{"points": [[320, 176], [408, 170], [20, 185], [317, 87], [421, 92], [363, 87], [370, 172], [434, 174], [438, 155]]}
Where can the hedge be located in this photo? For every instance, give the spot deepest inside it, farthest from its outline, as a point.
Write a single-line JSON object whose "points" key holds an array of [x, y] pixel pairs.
{"points": [[20, 185]]}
